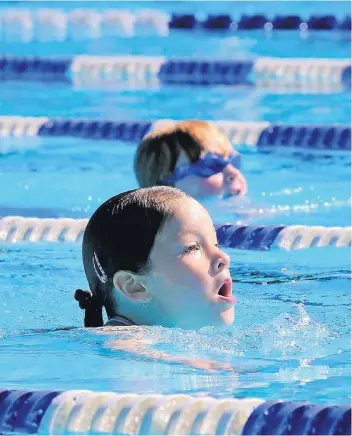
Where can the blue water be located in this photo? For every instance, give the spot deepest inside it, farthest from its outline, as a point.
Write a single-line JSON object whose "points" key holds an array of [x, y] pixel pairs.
{"points": [[235, 46], [222, 103], [291, 338]]}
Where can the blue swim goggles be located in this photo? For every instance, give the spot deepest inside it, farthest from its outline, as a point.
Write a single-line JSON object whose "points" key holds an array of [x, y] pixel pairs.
{"points": [[205, 166]]}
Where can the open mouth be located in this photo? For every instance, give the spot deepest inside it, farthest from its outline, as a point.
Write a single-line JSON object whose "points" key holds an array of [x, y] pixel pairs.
{"points": [[225, 292]]}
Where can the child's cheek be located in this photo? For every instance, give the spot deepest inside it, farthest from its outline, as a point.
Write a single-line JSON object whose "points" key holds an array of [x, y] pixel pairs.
{"points": [[198, 186], [212, 185]]}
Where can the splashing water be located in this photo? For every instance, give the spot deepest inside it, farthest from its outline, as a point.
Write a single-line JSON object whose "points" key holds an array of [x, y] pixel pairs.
{"points": [[294, 335], [290, 335]]}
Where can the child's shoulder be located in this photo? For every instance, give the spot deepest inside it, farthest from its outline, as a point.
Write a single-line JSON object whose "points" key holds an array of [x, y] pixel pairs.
{"points": [[117, 320]]}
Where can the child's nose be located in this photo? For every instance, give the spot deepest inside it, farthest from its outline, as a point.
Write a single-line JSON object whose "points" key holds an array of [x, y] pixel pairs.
{"points": [[221, 261], [230, 174], [234, 181]]}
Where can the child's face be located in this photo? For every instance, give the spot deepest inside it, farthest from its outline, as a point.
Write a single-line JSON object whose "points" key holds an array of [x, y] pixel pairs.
{"points": [[190, 281], [230, 182]]}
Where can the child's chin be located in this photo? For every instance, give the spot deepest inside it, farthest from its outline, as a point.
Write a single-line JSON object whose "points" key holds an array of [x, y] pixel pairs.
{"points": [[228, 317]]}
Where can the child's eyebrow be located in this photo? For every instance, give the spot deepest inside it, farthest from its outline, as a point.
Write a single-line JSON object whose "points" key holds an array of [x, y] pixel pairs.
{"points": [[196, 233], [190, 231]]}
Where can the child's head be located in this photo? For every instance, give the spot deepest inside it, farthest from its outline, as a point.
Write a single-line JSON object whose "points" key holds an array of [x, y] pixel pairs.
{"points": [[151, 255], [173, 155]]}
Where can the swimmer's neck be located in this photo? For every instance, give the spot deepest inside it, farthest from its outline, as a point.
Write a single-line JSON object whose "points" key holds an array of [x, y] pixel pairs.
{"points": [[138, 313]]}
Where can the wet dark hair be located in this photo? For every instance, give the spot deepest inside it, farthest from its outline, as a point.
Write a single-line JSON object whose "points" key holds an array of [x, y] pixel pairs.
{"points": [[120, 236]]}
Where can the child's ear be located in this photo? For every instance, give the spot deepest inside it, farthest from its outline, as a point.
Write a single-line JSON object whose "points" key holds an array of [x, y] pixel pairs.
{"points": [[131, 286]]}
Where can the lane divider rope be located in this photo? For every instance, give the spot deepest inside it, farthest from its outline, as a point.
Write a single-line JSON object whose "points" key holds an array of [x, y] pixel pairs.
{"points": [[15, 229], [262, 71], [24, 25], [88, 412], [251, 134]]}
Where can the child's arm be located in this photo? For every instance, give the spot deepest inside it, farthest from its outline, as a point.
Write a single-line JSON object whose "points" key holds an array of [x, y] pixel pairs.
{"points": [[140, 348]]}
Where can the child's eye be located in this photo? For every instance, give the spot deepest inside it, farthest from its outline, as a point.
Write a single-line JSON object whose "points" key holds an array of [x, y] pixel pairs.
{"points": [[192, 248]]}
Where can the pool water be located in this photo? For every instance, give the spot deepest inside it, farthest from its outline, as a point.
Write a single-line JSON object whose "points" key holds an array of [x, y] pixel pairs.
{"points": [[291, 338]]}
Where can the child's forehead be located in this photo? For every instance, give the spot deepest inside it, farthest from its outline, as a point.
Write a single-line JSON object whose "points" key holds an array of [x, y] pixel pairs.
{"points": [[190, 216]]}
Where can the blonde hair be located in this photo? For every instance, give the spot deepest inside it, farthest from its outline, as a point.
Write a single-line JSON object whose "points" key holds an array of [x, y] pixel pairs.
{"points": [[157, 154]]}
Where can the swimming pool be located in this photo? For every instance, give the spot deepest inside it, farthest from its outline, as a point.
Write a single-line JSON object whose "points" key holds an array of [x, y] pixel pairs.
{"points": [[291, 338]]}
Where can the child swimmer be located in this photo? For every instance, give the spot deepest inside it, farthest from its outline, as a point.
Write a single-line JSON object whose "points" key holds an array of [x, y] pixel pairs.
{"points": [[193, 156], [151, 257]]}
